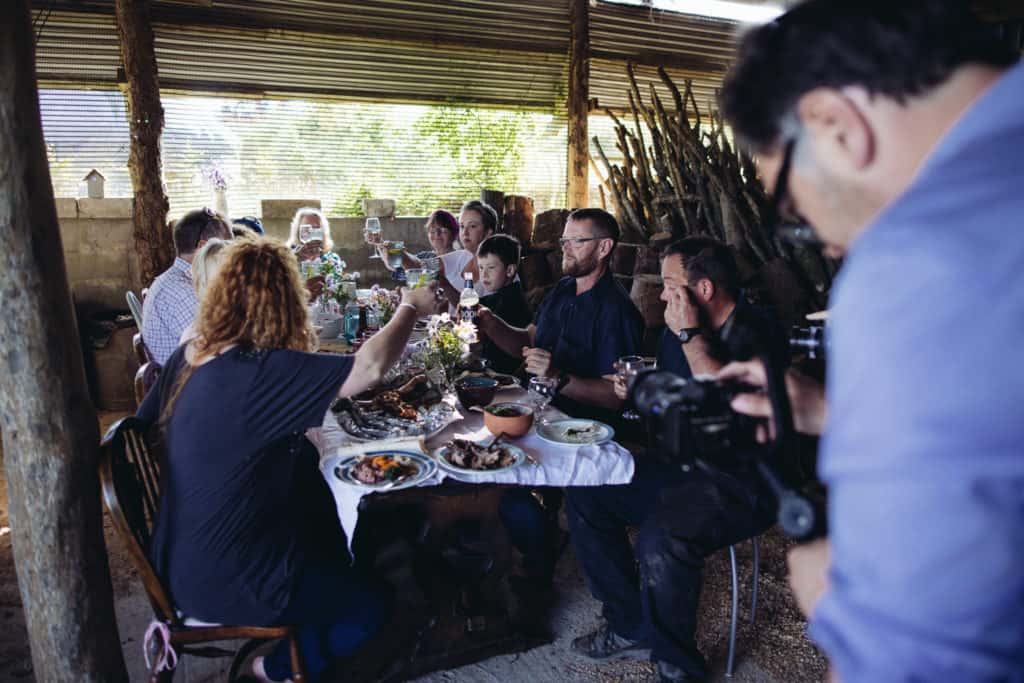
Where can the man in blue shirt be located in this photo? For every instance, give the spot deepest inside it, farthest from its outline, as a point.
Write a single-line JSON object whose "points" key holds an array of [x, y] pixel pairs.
{"points": [[585, 324], [649, 594], [903, 126]]}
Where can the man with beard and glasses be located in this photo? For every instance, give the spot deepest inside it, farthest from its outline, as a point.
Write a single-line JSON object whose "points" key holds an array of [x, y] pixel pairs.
{"points": [[586, 323]]}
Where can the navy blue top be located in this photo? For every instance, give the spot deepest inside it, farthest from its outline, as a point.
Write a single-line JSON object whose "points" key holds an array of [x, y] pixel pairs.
{"points": [[223, 543], [586, 334], [508, 303]]}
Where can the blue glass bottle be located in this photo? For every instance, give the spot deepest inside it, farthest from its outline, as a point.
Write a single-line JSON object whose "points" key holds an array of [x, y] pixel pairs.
{"points": [[351, 320]]}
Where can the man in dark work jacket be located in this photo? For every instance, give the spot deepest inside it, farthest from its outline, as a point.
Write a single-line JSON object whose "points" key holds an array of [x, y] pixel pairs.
{"points": [[650, 595]]}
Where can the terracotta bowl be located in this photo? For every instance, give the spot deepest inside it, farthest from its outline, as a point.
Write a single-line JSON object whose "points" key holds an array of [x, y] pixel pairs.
{"points": [[513, 425], [476, 391]]}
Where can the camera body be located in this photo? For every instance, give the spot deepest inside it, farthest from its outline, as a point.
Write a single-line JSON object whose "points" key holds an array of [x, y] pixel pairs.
{"points": [[691, 419]]}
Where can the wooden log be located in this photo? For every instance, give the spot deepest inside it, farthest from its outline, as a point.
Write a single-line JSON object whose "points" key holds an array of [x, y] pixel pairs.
{"points": [[534, 269], [496, 200], [547, 228], [153, 242], [50, 432], [624, 258], [625, 281], [577, 109], [646, 295], [555, 264], [648, 261], [519, 218]]}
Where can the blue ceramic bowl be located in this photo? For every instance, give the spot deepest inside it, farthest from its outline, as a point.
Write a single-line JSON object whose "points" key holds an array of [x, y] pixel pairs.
{"points": [[476, 391]]}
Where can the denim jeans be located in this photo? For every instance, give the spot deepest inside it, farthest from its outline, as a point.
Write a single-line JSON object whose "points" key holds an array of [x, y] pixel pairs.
{"points": [[338, 611], [683, 517]]}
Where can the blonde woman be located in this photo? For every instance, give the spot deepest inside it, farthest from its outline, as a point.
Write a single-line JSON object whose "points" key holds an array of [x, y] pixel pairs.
{"points": [[310, 238], [234, 404], [204, 266]]}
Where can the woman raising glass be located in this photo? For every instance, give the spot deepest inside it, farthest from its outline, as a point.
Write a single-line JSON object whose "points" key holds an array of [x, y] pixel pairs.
{"points": [[238, 536]]}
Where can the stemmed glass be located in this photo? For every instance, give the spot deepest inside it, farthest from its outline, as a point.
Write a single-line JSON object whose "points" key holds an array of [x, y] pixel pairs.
{"points": [[629, 366], [542, 391], [372, 234]]}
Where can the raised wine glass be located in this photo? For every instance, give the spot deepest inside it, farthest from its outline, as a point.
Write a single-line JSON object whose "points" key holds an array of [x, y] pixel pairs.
{"points": [[542, 391], [372, 234], [629, 366]]}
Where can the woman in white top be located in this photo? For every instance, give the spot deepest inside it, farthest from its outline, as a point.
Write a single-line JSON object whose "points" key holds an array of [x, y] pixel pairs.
{"points": [[477, 222]]}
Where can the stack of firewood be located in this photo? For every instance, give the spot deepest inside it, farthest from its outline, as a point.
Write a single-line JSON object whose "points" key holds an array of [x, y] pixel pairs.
{"points": [[681, 175]]}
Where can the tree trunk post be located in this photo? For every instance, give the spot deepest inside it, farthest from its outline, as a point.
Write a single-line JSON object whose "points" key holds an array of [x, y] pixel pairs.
{"points": [[577, 191], [50, 433], [154, 246]]}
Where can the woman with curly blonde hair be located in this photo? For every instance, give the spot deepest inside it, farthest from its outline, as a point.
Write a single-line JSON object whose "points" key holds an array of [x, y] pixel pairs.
{"points": [[234, 404]]}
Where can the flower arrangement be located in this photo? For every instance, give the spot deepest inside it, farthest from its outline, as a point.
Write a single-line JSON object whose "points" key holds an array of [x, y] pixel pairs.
{"points": [[215, 177], [447, 343], [385, 302], [339, 286]]}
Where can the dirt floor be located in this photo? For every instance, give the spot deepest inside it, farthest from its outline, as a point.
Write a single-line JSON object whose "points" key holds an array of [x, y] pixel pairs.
{"points": [[772, 650]]}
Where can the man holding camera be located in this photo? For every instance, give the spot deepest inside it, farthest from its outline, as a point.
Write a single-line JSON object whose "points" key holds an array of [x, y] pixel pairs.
{"points": [[897, 130], [684, 513]]}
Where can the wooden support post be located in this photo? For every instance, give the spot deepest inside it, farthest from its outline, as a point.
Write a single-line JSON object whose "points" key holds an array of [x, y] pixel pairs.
{"points": [[154, 245], [579, 87], [50, 433]]}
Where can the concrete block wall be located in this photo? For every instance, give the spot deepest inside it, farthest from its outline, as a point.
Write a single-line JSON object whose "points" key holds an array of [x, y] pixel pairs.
{"points": [[347, 233], [96, 234]]}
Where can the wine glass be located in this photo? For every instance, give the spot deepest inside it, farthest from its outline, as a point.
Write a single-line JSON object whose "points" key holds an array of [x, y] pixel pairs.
{"points": [[372, 234], [629, 366], [542, 391]]}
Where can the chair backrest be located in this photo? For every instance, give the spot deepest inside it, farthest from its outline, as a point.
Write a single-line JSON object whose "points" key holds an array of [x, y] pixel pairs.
{"points": [[145, 377], [130, 481], [135, 306]]}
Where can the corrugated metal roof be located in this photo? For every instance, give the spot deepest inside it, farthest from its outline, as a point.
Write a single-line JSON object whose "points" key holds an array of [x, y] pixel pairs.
{"points": [[493, 53], [83, 46], [656, 37], [531, 25]]}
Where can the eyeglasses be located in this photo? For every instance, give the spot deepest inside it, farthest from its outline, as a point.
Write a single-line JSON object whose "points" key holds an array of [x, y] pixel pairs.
{"points": [[799, 234], [577, 241]]}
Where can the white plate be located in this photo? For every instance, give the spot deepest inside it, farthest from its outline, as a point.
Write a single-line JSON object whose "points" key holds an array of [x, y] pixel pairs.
{"points": [[557, 432], [427, 468], [442, 461]]}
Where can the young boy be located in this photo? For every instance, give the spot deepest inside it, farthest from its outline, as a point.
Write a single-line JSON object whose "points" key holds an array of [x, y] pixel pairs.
{"points": [[498, 260]]}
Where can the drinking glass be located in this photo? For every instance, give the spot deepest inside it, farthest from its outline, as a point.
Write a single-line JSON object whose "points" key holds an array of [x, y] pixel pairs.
{"points": [[629, 366], [394, 251], [372, 234], [542, 390]]}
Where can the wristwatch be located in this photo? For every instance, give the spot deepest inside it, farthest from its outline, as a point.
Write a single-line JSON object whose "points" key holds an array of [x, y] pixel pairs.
{"points": [[688, 333]]}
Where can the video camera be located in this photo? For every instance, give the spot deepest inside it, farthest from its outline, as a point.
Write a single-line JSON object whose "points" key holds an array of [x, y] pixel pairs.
{"points": [[692, 423], [809, 341]]}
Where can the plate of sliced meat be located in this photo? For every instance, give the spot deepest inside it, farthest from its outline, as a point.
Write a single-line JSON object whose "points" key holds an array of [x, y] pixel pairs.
{"points": [[465, 457], [385, 470]]}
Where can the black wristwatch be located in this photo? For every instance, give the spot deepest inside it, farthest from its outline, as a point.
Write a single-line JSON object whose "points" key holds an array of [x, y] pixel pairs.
{"points": [[688, 333]]}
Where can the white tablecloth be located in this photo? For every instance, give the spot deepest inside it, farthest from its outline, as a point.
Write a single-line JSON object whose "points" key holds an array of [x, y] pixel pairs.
{"points": [[558, 465]]}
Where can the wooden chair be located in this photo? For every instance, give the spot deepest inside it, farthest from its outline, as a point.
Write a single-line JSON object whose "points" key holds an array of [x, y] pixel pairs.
{"points": [[130, 480], [145, 377], [140, 350]]}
